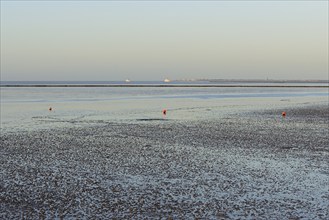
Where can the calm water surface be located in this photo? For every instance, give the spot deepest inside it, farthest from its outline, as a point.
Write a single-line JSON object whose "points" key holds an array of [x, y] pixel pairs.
{"points": [[27, 107]]}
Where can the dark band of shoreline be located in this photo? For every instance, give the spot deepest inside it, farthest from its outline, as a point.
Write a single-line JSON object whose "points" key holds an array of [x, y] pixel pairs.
{"points": [[176, 85]]}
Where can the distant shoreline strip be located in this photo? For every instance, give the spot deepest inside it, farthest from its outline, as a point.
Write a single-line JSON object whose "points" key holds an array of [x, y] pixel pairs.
{"points": [[160, 85]]}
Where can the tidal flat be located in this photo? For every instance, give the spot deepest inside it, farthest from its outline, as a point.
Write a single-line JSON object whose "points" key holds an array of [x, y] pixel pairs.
{"points": [[249, 164]]}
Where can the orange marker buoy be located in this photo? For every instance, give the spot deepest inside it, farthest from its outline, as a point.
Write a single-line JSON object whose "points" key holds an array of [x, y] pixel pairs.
{"points": [[50, 109], [164, 111], [283, 114]]}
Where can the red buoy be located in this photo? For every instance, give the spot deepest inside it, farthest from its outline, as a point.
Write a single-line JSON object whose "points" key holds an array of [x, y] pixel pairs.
{"points": [[284, 114], [164, 111], [50, 109]]}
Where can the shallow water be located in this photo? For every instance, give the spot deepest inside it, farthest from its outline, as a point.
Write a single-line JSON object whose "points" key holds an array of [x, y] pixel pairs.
{"points": [[214, 155], [27, 108]]}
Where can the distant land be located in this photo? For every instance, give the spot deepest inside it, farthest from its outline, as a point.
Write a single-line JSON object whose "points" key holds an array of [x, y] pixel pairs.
{"points": [[254, 80], [174, 83], [201, 80]]}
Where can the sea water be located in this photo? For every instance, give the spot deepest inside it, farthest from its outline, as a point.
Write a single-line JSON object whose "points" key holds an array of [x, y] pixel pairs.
{"points": [[27, 108]]}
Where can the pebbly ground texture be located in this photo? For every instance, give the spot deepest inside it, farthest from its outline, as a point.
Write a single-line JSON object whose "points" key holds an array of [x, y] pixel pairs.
{"points": [[249, 165]]}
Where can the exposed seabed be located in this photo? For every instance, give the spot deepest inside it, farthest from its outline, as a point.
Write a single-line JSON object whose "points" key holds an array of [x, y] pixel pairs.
{"points": [[253, 164]]}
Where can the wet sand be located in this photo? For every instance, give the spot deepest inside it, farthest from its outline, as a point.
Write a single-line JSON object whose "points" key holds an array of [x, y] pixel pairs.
{"points": [[252, 164]]}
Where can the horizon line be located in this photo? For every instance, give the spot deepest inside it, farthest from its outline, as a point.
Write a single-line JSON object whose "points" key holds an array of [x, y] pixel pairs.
{"points": [[174, 80], [164, 85]]}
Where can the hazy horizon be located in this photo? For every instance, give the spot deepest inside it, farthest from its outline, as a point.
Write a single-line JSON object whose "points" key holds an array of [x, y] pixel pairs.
{"points": [[146, 40]]}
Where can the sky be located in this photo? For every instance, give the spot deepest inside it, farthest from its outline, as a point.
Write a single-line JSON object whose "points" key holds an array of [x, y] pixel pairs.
{"points": [[154, 40]]}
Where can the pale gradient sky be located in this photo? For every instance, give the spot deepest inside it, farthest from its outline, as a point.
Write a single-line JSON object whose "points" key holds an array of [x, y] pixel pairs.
{"points": [[144, 40]]}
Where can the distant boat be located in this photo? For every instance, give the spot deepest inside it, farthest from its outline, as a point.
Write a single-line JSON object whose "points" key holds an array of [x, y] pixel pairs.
{"points": [[127, 80], [167, 80]]}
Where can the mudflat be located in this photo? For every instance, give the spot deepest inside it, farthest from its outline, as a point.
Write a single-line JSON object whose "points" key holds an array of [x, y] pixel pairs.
{"points": [[252, 164]]}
